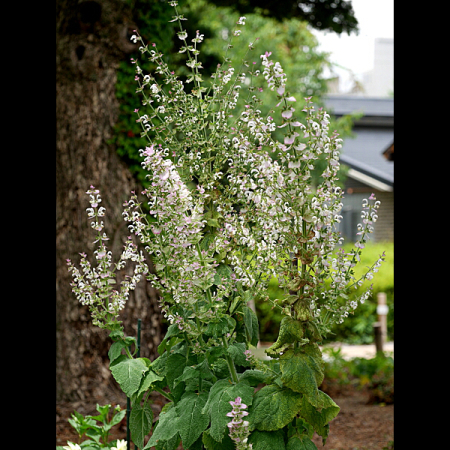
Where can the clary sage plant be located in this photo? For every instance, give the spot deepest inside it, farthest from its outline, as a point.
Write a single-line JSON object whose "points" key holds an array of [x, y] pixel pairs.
{"points": [[227, 208]]}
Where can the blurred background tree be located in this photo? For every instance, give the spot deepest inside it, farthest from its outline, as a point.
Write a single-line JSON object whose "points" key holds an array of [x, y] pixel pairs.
{"points": [[332, 15], [97, 138]]}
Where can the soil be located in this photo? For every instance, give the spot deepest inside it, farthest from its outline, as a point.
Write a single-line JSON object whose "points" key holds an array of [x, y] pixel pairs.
{"points": [[358, 426]]}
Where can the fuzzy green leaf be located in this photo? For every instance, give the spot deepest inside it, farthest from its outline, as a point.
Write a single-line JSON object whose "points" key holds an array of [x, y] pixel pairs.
{"points": [[128, 373], [236, 351], [141, 419], [167, 426], [223, 272], [291, 331], [218, 404], [254, 377], [302, 371], [192, 422], [211, 444], [176, 362], [251, 325], [273, 408], [150, 378], [213, 223], [221, 327], [201, 370], [319, 417], [264, 440], [172, 331], [159, 365], [303, 443], [170, 444], [116, 350]]}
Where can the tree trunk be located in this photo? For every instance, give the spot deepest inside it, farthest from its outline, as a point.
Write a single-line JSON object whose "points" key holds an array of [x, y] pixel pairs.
{"points": [[92, 38]]}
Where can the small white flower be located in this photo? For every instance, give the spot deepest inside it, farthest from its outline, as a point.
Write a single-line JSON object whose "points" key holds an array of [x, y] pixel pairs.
{"points": [[71, 446], [121, 444]]}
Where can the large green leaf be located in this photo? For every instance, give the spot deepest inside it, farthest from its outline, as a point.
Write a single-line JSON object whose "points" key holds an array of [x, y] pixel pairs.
{"points": [[236, 351], [211, 444], [223, 273], [220, 327], [192, 422], [170, 444], [251, 325], [218, 404], [201, 370], [172, 331], [159, 365], [319, 417], [303, 443], [167, 426], [141, 418], [302, 371], [291, 331], [128, 373], [176, 363], [149, 378], [254, 377], [273, 408], [115, 350], [264, 440]]}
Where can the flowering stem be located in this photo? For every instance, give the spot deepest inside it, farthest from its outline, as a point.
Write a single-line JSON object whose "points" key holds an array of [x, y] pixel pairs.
{"points": [[200, 255], [305, 246]]}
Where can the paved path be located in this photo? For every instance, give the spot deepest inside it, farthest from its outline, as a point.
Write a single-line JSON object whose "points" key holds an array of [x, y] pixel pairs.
{"points": [[362, 351], [347, 351]]}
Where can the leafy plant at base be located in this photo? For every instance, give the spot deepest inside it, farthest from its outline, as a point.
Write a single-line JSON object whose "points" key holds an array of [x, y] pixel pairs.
{"points": [[374, 375], [229, 208], [97, 434]]}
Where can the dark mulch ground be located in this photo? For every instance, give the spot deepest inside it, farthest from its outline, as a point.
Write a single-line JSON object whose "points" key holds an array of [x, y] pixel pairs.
{"points": [[358, 426]]}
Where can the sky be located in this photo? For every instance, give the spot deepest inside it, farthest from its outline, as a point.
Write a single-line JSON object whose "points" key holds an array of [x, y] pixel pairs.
{"points": [[356, 52]]}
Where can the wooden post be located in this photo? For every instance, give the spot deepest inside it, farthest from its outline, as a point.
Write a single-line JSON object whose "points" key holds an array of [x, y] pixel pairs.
{"points": [[378, 337], [382, 310]]}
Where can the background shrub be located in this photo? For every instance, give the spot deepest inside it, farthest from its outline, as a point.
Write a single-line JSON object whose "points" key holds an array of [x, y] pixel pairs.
{"points": [[373, 375]]}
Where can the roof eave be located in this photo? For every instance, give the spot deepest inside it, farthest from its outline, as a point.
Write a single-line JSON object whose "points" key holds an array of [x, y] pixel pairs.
{"points": [[370, 181]]}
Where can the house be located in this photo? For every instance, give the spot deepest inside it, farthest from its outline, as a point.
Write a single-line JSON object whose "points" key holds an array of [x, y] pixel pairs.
{"points": [[369, 156]]}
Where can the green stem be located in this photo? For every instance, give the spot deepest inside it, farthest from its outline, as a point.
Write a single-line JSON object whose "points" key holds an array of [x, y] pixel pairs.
{"points": [[164, 394], [128, 353], [230, 362]]}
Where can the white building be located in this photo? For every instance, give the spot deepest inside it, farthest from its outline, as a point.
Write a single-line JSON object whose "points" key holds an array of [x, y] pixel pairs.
{"points": [[379, 82]]}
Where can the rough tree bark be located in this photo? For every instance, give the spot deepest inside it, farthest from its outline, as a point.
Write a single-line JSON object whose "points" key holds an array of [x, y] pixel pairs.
{"points": [[92, 38]]}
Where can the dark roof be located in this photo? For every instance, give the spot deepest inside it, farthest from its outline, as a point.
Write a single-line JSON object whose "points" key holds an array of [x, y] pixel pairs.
{"points": [[376, 111], [364, 152]]}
